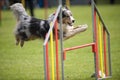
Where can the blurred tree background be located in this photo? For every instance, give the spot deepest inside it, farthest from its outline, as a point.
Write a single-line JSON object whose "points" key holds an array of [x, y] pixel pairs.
{"points": [[51, 3]]}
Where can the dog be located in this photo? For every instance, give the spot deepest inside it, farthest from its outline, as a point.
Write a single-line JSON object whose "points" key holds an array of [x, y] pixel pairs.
{"points": [[30, 28]]}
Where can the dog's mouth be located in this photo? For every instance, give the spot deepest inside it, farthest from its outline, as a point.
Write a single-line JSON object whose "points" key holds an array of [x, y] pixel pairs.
{"points": [[70, 24]]}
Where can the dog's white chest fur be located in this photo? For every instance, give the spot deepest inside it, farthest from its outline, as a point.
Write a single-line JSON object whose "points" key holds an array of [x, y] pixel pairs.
{"points": [[67, 28]]}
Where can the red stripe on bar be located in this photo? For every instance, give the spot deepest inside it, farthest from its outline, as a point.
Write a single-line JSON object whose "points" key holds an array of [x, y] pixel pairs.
{"points": [[96, 44], [56, 44], [47, 63], [105, 57]]}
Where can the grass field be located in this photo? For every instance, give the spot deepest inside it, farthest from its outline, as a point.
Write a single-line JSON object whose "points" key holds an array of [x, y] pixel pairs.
{"points": [[26, 63]]}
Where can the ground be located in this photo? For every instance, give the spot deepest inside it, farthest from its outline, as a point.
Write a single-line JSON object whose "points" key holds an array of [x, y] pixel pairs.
{"points": [[26, 63]]}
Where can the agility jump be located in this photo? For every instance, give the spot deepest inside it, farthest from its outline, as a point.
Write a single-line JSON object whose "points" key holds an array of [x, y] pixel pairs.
{"points": [[100, 47], [29, 28]]}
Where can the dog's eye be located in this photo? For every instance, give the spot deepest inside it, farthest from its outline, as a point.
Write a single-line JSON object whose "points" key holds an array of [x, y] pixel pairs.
{"points": [[67, 16], [25, 18]]}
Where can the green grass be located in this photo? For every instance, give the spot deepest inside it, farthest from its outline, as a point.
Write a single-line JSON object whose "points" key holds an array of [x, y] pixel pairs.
{"points": [[26, 63]]}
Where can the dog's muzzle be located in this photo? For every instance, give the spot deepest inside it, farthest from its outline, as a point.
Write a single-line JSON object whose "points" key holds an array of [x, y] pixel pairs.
{"points": [[72, 21], [71, 24]]}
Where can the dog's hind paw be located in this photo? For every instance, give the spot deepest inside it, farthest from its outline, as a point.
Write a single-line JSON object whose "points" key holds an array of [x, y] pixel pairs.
{"points": [[17, 42], [21, 43]]}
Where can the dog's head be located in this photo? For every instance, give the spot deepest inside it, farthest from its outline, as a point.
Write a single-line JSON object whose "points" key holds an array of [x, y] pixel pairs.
{"points": [[67, 16], [17, 7], [18, 10]]}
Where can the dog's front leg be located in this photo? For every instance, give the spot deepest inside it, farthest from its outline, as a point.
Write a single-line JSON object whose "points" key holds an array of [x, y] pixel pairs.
{"points": [[76, 30], [84, 27]]}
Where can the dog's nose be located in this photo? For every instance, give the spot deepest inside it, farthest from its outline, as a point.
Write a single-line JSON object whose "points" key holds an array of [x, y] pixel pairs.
{"points": [[73, 21]]}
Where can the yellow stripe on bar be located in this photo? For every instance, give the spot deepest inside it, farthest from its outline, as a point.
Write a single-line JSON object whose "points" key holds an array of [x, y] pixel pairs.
{"points": [[100, 46], [52, 55]]}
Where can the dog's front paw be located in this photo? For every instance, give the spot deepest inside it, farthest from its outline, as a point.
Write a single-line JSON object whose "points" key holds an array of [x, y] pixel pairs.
{"points": [[85, 26]]}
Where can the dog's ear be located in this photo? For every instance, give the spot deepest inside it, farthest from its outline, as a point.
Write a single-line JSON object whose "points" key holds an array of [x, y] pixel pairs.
{"points": [[11, 6], [66, 7]]}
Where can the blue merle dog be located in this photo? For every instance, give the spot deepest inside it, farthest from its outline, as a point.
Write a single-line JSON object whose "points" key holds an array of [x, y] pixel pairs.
{"points": [[30, 28]]}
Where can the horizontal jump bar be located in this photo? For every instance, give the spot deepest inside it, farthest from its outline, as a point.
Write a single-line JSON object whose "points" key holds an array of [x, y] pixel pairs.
{"points": [[77, 47]]}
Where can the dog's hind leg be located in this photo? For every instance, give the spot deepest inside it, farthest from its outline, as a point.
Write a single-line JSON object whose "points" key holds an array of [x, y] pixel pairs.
{"points": [[17, 39], [21, 43]]}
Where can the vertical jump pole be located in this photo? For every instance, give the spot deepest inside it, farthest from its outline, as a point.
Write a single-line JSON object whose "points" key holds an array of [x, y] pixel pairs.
{"points": [[61, 41], [47, 63], [52, 55], [56, 44], [95, 39], [46, 58], [105, 56], [109, 56], [45, 68], [101, 48]]}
